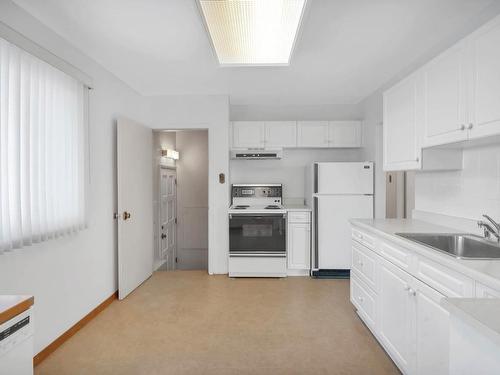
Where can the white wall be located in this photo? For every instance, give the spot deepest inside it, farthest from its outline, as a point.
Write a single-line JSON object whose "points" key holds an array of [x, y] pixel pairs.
{"points": [[372, 143], [70, 276], [192, 199], [290, 170], [296, 112], [212, 113], [468, 193]]}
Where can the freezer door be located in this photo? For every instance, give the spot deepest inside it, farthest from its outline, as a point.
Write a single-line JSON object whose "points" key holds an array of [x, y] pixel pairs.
{"points": [[344, 178], [333, 228]]}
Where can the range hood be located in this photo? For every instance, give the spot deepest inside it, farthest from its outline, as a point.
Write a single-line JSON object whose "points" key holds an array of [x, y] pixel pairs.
{"points": [[256, 154]]}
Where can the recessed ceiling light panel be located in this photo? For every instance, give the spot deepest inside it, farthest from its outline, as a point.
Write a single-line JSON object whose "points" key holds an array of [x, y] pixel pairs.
{"points": [[253, 32]]}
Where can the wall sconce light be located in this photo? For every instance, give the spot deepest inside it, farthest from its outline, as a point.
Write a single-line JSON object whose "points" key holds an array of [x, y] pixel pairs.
{"points": [[171, 154]]}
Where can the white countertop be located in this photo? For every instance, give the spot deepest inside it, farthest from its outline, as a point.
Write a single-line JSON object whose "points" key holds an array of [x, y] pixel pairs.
{"points": [[484, 271], [481, 313], [297, 207]]}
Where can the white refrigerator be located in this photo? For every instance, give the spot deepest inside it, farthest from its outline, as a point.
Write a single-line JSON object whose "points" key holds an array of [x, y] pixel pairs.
{"points": [[338, 191]]}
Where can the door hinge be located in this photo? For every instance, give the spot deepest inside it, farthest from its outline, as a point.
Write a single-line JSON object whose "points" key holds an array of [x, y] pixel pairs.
{"points": [[175, 220], [175, 181], [175, 259]]}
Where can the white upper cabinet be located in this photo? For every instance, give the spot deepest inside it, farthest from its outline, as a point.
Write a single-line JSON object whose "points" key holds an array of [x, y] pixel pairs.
{"points": [[280, 134], [454, 98], [344, 134], [445, 98], [401, 120], [248, 134], [485, 77], [312, 134]]}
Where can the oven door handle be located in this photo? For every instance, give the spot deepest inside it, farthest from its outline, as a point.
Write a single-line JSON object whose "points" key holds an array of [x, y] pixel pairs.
{"points": [[258, 255], [259, 216]]}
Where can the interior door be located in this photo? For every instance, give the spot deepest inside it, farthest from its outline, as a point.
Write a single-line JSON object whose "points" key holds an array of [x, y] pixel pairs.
{"points": [[134, 145], [168, 215]]}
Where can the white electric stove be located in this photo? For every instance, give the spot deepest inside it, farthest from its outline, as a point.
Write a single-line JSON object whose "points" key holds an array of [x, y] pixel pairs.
{"points": [[257, 231]]}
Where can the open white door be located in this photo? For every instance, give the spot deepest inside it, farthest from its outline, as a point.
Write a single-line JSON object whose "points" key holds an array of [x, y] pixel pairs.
{"points": [[134, 145]]}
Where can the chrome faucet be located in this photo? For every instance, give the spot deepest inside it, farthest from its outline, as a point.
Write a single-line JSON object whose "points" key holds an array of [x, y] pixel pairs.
{"points": [[490, 228]]}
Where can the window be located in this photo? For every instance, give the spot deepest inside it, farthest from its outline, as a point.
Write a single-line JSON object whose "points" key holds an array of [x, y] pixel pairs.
{"points": [[43, 137]]}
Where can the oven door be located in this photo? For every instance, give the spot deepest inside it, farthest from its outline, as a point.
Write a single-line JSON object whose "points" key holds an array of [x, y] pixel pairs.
{"points": [[257, 235]]}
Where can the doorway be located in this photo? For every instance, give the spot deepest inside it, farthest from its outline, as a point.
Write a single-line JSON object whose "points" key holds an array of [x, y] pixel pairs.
{"points": [[182, 200], [400, 194]]}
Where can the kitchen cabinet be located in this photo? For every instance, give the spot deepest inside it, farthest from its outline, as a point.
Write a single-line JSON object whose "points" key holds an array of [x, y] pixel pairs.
{"points": [[396, 315], [344, 134], [453, 99], [248, 134], [312, 134], [401, 107], [445, 98], [432, 331], [298, 242], [485, 81], [280, 134]]}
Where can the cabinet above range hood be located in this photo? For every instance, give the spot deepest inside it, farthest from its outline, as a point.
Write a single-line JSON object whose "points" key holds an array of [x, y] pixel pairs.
{"points": [[256, 154]]}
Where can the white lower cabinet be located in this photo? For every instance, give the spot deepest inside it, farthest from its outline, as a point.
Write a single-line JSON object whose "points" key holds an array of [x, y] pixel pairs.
{"points": [[298, 243], [432, 325], [397, 315], [403, 312]]}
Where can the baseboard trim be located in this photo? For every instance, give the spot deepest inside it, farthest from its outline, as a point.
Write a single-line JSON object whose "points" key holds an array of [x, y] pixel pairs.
{"points": [[49, 349]]}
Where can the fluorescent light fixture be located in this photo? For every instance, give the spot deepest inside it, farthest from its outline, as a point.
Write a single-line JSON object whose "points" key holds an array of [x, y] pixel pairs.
{"points": [[253, 32], [171, 154]]}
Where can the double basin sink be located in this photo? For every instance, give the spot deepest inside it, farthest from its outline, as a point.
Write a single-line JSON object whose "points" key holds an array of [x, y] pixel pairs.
{"points": [[464, 246]]}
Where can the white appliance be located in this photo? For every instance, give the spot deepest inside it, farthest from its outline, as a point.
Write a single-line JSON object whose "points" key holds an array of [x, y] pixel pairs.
{"points": [[256, 154], [338, 191], [16, 345], [257, 231]]}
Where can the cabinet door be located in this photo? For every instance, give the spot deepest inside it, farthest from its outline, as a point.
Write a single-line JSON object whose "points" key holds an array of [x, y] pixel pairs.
{"points": [[485, 93], [299, 245], [281, 134], [402, 109], [345, 134], [397, 315], [312, 133], [248, 134], [433, 331], [445, 98]]}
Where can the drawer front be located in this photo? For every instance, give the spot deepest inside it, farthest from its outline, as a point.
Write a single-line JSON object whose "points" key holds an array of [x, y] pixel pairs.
{"points": [[396, 255], [364, 300], [363, 238], [364, 262], [299, 217], [483, 291], [448, 282]]}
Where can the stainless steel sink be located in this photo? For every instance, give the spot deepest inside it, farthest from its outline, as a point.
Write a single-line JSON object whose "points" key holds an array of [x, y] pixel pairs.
{"points": [[465, 246]]}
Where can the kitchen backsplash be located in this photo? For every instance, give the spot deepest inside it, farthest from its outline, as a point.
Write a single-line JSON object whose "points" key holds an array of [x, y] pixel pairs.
{"points": [[468, 193]]}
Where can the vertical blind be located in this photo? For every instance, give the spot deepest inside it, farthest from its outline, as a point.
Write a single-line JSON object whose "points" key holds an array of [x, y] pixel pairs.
{"points": [[43, 128]]}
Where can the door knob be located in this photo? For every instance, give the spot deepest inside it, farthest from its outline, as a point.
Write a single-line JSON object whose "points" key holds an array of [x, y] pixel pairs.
{"points": [[163, 236], [126, 215]]}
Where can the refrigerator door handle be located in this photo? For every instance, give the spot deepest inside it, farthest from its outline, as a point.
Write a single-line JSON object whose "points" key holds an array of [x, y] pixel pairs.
{"points": [[315, 188]]}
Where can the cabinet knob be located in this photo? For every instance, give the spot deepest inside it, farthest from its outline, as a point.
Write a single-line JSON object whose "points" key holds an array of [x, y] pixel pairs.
{"points": [[417, 159], [462, 127], [471, 125], [360, 299], [360, 263]]}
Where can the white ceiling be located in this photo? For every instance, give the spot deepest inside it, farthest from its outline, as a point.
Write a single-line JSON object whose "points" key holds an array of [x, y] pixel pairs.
{"points": [[347, 48]]}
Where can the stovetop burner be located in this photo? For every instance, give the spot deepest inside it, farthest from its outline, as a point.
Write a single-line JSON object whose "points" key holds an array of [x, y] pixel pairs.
{"points": [[272, 207], [241, 207]]}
